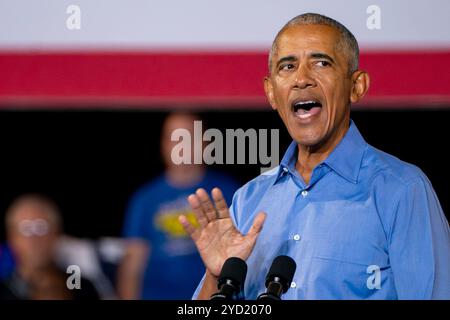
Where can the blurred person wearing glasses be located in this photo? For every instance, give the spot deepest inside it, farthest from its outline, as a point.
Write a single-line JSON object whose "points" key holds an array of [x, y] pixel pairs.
{"points": [[33, 229]]}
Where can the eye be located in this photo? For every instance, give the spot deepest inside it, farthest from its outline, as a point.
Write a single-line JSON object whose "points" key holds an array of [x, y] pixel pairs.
{"points": [[323, 63], [286, 67]]}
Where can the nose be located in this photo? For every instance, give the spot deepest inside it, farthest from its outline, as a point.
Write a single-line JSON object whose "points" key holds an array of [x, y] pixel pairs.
{"points": [[303, 78]]}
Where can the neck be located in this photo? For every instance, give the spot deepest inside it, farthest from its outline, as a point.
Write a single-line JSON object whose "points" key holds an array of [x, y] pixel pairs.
{"points": [[310, 156], [184, 175], [25, 272]]}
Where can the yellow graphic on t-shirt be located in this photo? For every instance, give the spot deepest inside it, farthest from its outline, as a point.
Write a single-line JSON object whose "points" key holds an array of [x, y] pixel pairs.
{"points": [[167, 221]]}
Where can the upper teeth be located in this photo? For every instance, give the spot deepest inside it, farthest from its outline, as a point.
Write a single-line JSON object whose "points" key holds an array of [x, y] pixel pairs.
{"points": [[305, 102]]}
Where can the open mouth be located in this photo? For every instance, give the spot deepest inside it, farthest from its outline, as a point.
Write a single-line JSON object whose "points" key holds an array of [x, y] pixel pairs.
{"points": [[306, 108]]}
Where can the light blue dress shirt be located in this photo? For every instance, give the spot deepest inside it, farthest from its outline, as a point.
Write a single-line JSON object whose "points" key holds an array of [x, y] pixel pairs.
{"points": [[367, 226]]}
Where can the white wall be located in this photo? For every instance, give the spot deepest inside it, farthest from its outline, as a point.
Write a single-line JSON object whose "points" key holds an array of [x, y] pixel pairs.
{"points": [[203, 24]]}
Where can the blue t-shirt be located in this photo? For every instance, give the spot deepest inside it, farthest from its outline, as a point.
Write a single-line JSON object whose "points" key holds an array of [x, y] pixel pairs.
{"points": [[174, 267], [7, 263]]}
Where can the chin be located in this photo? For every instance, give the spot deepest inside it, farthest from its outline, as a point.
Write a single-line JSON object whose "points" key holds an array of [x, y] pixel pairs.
{"points": [[308, 142], [308, 138]]}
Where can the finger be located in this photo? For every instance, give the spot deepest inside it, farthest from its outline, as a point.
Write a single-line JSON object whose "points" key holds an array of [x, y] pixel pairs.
{"points": [[220, 203], [258, 223], [188, 227], [194, 202], [206, 204]]}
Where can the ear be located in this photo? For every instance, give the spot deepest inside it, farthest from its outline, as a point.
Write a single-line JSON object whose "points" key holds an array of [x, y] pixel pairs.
{"points": [[360, 85], [268, 88]]}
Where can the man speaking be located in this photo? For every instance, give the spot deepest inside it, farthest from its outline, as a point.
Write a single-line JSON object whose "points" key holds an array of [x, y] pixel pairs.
{"points": [[359, 223]]}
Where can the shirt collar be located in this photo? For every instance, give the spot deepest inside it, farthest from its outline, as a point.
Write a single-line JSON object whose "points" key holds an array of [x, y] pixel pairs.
{"points": [[345, 159]]}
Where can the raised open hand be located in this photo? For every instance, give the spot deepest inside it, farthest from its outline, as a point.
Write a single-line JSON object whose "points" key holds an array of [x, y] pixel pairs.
{"points": [[217, 238]]}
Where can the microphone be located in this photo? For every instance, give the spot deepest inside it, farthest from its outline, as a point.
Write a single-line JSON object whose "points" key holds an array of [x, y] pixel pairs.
{"points": [[231, 279], [279, 278]]}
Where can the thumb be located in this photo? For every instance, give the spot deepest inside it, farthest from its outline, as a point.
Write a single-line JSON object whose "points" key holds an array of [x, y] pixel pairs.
{"points": [[257, 225]]}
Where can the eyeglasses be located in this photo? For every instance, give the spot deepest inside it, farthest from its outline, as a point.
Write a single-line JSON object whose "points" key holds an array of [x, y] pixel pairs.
{"points": [[33, 227]]}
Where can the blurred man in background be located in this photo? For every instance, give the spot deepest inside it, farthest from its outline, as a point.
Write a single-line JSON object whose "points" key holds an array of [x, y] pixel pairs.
{"points": [[33, 228], [158, 249]]}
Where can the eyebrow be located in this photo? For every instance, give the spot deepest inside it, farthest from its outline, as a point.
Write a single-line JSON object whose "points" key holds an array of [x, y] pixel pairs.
{"points": [[287, 59], [315, 55], [321, 55]]}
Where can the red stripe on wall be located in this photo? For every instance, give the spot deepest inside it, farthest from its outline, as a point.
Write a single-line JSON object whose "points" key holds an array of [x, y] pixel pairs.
{"points": [[117, 80]]}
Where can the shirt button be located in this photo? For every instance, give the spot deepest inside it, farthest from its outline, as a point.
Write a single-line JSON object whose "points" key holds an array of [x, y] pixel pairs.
{"points": [[304, 193], [296, 237], [285, 169], [293, 284]]}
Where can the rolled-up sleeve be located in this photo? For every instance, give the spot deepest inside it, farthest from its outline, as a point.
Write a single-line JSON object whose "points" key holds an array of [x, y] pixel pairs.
{"points": [[419, 243]]}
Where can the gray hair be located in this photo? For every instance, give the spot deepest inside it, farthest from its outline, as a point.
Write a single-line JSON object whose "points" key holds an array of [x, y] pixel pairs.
{"points": [[348, 40]]}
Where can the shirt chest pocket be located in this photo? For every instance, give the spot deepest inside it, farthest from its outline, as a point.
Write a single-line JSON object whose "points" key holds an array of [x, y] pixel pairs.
{"points": [[351, 252], [347, 270]]}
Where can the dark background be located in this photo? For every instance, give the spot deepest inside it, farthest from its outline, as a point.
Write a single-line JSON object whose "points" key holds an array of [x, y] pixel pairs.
{"points": [[90, 162]]}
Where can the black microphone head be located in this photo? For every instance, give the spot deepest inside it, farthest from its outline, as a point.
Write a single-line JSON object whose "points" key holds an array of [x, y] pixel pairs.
{"points": [[234, 269], [283, 267]]}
